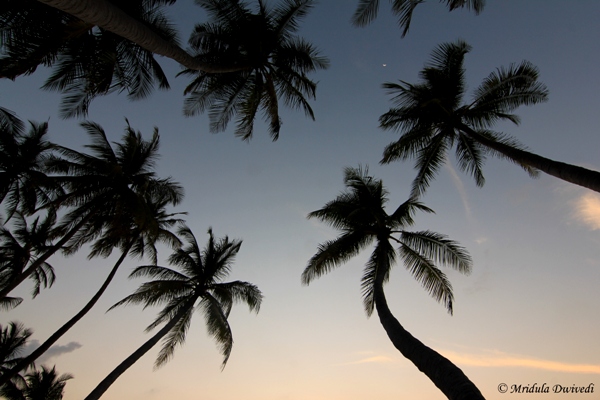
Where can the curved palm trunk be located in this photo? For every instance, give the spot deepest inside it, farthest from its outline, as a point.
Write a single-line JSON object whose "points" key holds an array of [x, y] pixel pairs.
{"points": [[443, 373], [110, 17], [65, 328], [567, 172], [136, 355], [36, 264]]}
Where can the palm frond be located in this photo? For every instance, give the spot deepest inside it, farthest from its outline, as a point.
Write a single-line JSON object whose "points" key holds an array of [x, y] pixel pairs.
{"points": [[508, 141], [175, 337], [366, 12], [428, 163], [217, 325], [431, 278], [439, 249], [377, 271], [334, 253], [504, 91], [470, 157]]}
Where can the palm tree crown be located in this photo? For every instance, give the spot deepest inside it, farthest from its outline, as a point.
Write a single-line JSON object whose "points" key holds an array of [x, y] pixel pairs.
{"points": [[198, 279], [432, 116], [360, 215], [23, 181], [277, 64], [13, 339], [21, 246], [44, 384]]}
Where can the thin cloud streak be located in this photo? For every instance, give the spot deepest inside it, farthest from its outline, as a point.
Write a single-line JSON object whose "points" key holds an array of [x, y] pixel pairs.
{"points": [[499, 359], [370, 360], [52, 352]]}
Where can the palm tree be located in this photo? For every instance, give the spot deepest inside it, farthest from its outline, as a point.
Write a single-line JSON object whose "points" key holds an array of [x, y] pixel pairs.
{"points": [[87, 61], [135, 229], [101, 187], [23, 180], [108, 16], [360, 216], [10, 122], [13, 339], [21, 247], [278, 64], [198, 280], [44, 384], [367, 10], [432, 118]]}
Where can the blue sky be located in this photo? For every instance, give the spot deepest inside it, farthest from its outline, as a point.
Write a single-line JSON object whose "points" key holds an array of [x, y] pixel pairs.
{"points": [[527, 313]]}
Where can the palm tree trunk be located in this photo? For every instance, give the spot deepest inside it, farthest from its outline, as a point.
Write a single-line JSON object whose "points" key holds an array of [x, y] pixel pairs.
{"points": [[567, 172], [110, 17], [136, 355], [443, 373], [36, 264], [63, 329]]}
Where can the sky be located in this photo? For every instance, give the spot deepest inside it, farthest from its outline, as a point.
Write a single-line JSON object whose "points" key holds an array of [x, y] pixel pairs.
{"points": [[528, 312]]}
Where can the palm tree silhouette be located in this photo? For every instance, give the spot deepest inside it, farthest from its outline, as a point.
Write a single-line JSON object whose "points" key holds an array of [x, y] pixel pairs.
{"points": [[101, 188], [111, 17], [198, 279], [44, 384], [432, 118], [278, 63], [360, 216], [134, 222], [86, 61], [21, 247], [13, 340], [23, 181]]}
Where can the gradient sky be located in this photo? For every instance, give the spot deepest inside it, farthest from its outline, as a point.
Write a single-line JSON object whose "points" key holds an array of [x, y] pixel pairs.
{"points": [[527, 314]]}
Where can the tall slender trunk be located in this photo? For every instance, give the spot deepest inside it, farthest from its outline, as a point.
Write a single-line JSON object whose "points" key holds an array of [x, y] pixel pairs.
{"points": [[110, 17], [136, 355], [443, 373], [39, 261], [65, 328], [587, 178]]}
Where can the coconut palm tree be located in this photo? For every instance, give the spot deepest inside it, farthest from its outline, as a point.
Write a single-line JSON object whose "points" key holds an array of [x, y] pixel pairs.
{"points": [[278, 61], [87, 61], [44, 384], [100, 188], [367, 10], [23, 181], [196, 284], [360, 215], [109, 16], [13, 340], [22, 246], [135, 228], [433, 117], [10, 122]]}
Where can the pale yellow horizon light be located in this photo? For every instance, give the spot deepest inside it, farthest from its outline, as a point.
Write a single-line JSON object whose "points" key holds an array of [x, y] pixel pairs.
{"points": [[503, 360], [374, 359]]}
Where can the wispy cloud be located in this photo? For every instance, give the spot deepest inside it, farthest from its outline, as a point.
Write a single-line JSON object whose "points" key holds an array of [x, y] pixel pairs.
{"points": [[460, 187], [52, 352], [587, 210], [500, 359], [369, 358]]}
